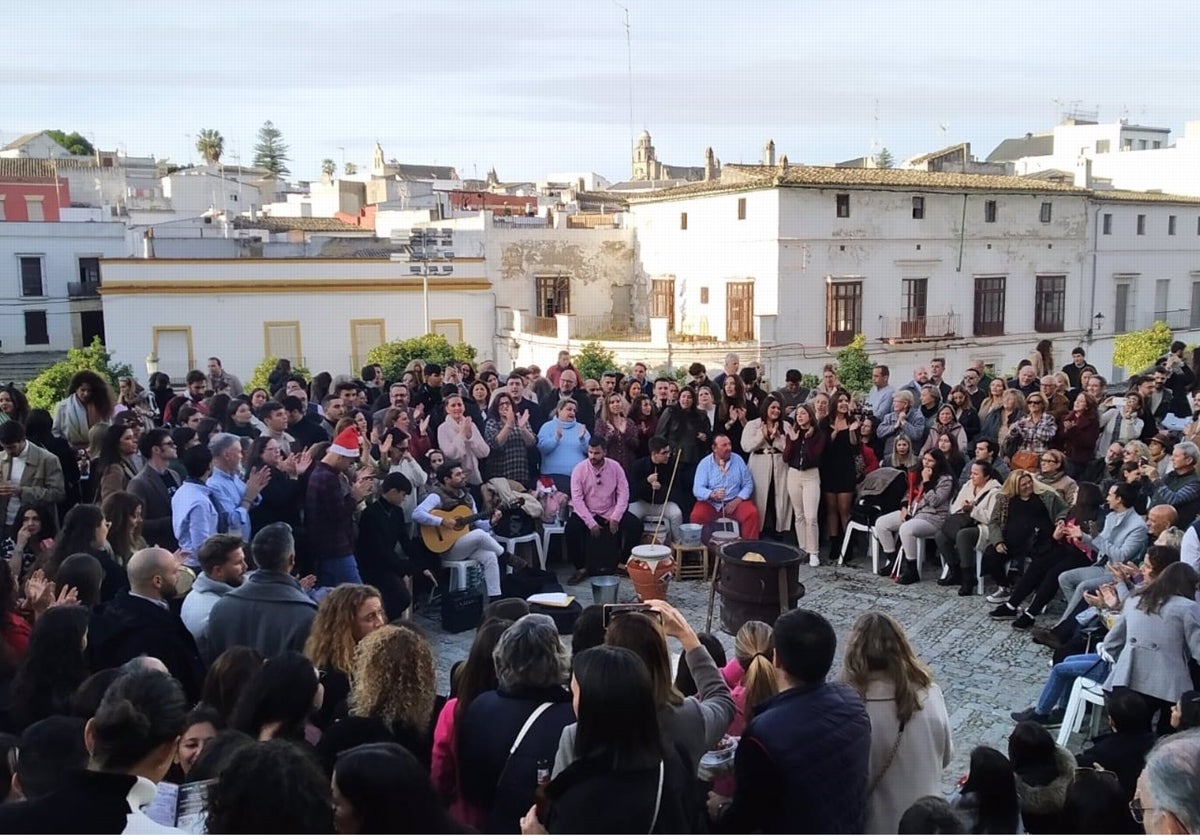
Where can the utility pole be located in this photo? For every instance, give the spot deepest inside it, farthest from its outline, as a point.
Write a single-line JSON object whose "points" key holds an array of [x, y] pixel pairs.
{"points": [[430, 253]]}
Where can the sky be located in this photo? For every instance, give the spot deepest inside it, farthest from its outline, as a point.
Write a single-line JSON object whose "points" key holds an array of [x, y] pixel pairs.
{"points": [[532, 88]]}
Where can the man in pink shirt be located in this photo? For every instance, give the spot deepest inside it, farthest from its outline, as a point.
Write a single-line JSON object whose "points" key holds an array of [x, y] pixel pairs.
{"points": [[601, 528]]}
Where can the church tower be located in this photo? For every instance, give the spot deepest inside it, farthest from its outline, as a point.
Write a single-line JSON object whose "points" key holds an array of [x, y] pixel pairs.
{"points": [[645, 165], [377, 166]]}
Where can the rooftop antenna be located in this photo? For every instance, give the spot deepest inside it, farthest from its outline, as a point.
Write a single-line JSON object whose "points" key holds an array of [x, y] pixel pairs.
{"points": [[945, 127], [629, 69]]}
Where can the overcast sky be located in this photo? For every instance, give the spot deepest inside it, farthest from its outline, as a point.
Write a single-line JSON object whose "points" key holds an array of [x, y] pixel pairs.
{"points": [[537, 87]]}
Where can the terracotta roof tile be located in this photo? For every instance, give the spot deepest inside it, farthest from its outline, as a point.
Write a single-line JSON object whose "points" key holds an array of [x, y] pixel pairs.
{"points": [[1133, 195], [282, 224], [39, 168]]}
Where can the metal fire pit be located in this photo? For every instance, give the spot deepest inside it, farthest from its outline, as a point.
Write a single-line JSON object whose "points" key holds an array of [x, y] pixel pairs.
{"points": [[761, 591]]}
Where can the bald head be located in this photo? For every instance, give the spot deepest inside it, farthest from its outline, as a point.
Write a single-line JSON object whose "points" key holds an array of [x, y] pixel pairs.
{"points": [[153, 573], [1159, 518]]}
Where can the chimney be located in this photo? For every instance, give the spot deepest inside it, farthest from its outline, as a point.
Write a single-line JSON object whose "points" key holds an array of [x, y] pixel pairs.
{"points": [[769, 153], [783, 165], [710, 165], [1083, 172], [148, 244]]}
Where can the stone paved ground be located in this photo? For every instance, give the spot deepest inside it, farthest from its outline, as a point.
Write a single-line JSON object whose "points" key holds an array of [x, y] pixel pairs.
{"points": [[985, 668]]}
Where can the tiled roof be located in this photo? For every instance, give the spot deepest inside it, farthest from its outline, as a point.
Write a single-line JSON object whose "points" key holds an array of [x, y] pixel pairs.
{"points": [[741, 177], [22, 140], [40, 168], [421, 172], [925, 158], [282, 224], [1031, 145], [1133, 195]]}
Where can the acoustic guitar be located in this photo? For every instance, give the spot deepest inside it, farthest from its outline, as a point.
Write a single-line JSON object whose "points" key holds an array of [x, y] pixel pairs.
{"points": [[440, 538]]}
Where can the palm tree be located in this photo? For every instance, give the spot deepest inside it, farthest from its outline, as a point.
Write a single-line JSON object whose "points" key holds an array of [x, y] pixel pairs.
{"points": [[210, 144], [328, 168]]}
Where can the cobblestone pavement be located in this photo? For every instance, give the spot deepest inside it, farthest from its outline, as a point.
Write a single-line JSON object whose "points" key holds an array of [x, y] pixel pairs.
{"points": [[984, 668]]}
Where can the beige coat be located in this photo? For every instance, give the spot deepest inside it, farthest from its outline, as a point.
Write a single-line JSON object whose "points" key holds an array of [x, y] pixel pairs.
{"points": [[925, 749], [42, 482], [763, 467]]}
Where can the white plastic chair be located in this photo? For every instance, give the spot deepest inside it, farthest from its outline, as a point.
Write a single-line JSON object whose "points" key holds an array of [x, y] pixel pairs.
{"points": [[1084, 693], [979, 571], [853, 526], [510, 544], [459, 575], [548, 531]]}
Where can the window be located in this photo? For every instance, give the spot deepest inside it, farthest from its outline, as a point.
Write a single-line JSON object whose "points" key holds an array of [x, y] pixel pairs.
{"points": [[739, 311], [35, 328], [989, 211], [741, 209], [918, 207], [989, 305], [1102, 146], [1124, 309], [281, 340], [553, 296], [1107, 224], [365, 335], [662, 300], [33, 208], [704, 294], [1170, 225], [31, 277], [1141, 224], [843, 205], [89, 271], [843, 312], [1142, 144], [1047, 207], [1162, 294], [1158, 144], [1194, 323], [1050, 303], [1126, 145], [2, 216], [683, 221], [914, 293]]}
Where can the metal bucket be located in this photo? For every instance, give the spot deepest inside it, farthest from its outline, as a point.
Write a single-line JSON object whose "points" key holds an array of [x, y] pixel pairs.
{"points": [[605, 589]]}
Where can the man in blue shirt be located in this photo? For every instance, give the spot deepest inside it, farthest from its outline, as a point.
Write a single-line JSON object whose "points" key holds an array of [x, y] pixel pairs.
{"points": [[723, 487], [233, 497]]}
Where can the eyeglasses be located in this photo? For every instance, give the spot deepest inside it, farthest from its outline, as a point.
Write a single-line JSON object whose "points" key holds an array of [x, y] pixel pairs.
{"points": [[1138, 811], [1049, 460]]}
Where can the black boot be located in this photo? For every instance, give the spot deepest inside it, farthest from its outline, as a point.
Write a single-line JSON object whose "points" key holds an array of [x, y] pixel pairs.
{"points": [[835, 547], [969, 583], [951, 576], [908, 573], [887, 561]]}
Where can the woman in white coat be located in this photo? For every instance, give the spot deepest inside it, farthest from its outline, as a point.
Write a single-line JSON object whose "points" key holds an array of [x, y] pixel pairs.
{"points": [[910, 730], [461, 440], [764, 440]]}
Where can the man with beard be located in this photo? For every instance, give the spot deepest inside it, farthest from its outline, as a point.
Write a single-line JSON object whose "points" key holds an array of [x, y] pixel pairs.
{"points": [[223, 565], [140, 622]]}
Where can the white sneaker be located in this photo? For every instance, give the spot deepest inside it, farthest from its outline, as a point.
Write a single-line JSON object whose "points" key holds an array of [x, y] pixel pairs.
{"points": [[1000, 595], [814, 560]]}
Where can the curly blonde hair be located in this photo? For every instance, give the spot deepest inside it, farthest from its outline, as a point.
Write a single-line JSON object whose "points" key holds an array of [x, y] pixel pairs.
{"points": [[331, 641], [393, 679]]}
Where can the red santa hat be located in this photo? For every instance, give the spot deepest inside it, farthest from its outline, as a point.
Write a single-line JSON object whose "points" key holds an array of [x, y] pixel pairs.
{"points": [[346, 444]]}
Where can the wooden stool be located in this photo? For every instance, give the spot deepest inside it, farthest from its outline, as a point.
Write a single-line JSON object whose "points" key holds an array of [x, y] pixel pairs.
{"points": [[690, 570]]}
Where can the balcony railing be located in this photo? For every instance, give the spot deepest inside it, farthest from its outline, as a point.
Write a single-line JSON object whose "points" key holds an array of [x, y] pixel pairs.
{"points": [[1176, 319], [900, 330], [83, 290], [611, 327], [542, 326]]}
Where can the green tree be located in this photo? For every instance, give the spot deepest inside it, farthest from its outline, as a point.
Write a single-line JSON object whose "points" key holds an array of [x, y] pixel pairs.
{"points": [[351, 168], [48, 387], [593, 360], [328, 168], [884, 159], [211, 145], [1137, 351], [394, 356], [262, 373], [75, 143], [854, 366], [270, 152]]}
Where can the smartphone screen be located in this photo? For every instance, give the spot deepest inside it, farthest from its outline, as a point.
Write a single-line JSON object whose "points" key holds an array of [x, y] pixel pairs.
{"points": [[614, 609]]}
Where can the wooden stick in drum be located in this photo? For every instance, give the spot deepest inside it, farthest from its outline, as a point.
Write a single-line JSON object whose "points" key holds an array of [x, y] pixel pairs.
{"points": [[663, 508]]}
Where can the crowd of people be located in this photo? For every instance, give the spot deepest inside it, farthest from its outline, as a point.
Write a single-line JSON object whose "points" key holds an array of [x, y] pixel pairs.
{"points": [[213, 587]]}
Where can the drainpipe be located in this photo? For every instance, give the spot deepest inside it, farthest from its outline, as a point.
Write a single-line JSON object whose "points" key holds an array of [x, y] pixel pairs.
{"points": [[962, 233], [1095, 259]]}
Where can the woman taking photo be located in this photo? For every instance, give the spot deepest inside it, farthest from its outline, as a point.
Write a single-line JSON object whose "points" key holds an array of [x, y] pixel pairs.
{"points": [[765, 441], [839, 472], [921, 520], [1081, 431], [511, 441], [804, 449], [622, 757], [619, 434], [115, 466], [910, 730]]}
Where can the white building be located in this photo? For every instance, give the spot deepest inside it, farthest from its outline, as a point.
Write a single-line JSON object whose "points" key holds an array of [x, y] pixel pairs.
{"points": [[326, 314], [195, 192], [50, 282], [795, 261]]}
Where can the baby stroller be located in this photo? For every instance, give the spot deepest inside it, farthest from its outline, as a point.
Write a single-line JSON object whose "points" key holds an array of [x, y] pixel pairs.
{"points": [[880, 492]]}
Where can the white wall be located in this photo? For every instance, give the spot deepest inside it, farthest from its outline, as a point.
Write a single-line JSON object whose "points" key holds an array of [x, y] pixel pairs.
{"points": [[60, 245], [226, 303], [194, 192]]}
